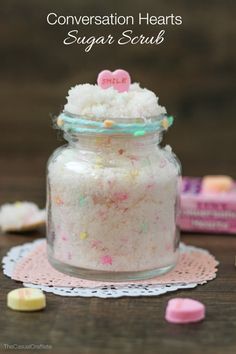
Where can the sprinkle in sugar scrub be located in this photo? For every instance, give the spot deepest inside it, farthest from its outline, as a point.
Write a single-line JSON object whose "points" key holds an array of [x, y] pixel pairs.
{"points": [[113, 191]]}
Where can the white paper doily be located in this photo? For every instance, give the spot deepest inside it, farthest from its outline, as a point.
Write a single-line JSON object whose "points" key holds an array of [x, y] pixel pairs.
{"points": [[106, 291]]}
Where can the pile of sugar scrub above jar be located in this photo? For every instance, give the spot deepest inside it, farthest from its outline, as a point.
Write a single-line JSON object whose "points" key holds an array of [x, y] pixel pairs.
{"points": [[112, 196]]}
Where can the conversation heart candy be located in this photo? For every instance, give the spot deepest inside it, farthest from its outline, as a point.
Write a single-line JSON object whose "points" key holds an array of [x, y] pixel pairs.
{"points": [[217, 184], [26, 299], [184, 310], [119, 79]]}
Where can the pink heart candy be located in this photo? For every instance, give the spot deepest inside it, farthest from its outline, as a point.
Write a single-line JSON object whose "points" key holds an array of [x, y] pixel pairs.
{"points": [[119, 79], [184, 310]]}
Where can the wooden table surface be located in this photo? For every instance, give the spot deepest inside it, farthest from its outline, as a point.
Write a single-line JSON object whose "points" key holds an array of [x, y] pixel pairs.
{"points": [[129, 325]]}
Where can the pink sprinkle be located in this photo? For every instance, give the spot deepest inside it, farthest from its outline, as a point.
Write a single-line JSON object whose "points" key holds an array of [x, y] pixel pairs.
{"points": [[69, 255], [150, 185], [106, 260], [133, 158], [120, 196], [64, 237]]}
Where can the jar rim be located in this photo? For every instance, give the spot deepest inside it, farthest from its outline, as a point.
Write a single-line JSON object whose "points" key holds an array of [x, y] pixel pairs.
{"points": [[136, 126]]}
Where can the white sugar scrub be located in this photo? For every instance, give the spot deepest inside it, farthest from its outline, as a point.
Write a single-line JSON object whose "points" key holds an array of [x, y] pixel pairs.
{"points": [[113, 191], [21, 216], [93, 101]]}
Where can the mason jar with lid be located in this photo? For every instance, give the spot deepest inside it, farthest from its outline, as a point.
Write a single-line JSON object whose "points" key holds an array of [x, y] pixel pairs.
{"points": [[112, 199]]}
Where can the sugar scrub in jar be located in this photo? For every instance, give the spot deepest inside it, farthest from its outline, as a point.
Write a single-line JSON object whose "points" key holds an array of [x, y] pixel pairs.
{"points": [[112, 194]]}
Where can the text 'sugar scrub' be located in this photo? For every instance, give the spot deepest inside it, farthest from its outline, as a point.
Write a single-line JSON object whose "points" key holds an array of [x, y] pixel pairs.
{"points": [[116, 23], [113, 191]]}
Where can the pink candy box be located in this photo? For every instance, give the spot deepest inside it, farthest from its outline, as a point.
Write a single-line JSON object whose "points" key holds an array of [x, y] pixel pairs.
{"points": [[203, 211]]}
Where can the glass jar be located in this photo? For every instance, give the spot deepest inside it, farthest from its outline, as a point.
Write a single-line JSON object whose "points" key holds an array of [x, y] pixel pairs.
{"points": [[112, 201]]}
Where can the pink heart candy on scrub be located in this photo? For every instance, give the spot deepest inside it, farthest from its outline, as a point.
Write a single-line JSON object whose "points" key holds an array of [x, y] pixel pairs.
{"points": [[119, 79]]}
